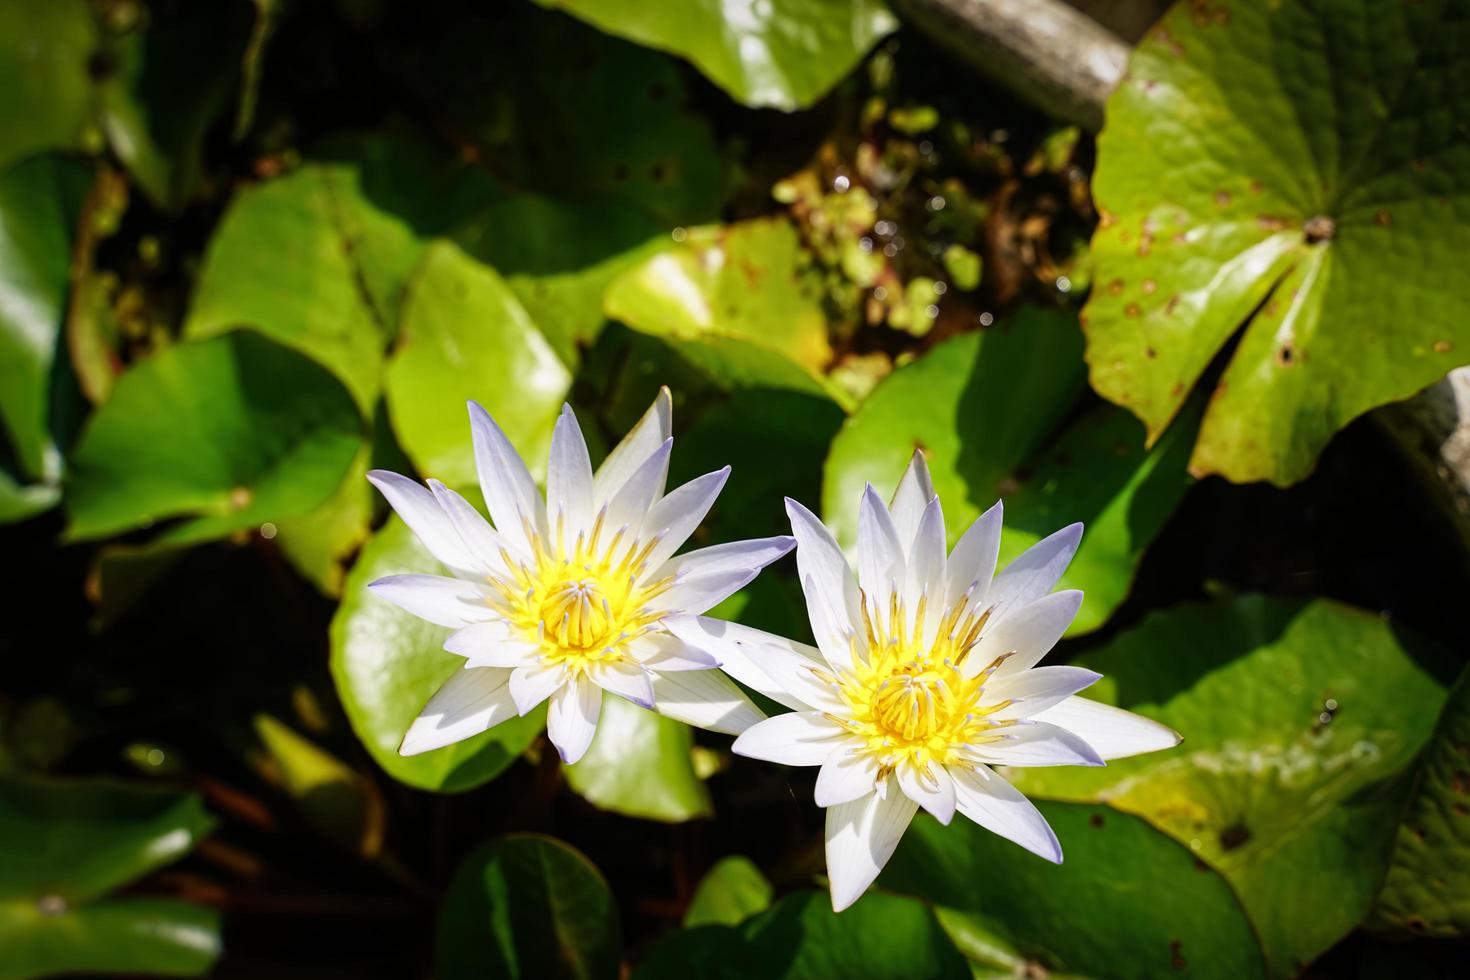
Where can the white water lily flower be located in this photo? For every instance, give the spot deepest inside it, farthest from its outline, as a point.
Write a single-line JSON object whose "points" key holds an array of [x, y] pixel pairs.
{"points": [[924, 676], [566, 597]]}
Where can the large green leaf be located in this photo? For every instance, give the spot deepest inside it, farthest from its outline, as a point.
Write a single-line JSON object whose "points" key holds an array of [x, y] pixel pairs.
{"points": [[745, 280], [64, 846], [801, 938], [1127, 901], [527, 906], [1296, 717], [780, 53], [985, 408], [320, 543], [387, 663], [320, 259], [234, 430], [464, 335], [639, 765], [1299, 168], [1427, 890], [45, 91], [39, 201], [728, 894]]}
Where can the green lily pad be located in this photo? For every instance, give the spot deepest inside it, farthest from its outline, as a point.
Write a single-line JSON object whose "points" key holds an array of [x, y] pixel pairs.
{"points": [[45, 91], [464, 335], [986, 408], [780, 53], [1296, 717], [728, 894], [66, 845], [319, 259], [232, 431], [801, 938], [1127, 902], [745, 281], [1427, 891], [992, 953], [39, 201], [639, 765], [1296, 168], [319, 544], [387, 663], [527, 906]]}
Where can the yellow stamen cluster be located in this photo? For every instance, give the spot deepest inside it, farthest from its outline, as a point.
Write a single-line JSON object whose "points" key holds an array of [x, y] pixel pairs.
{"points": [[910, 702], [582, 603]]}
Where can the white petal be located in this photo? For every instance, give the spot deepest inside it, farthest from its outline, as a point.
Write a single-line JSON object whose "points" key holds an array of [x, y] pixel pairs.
{"points": [[799, 738], [676, 516], [814, 685], [926, 568], [471, 701], [1034, 572], [654, 428], [571, 720], [914, 492], [972, 562], [529, 686], [698, 593], [491, 645], [1033, 691], [861, 836], [704, 699], [665, 651], [880, 556], [1027, 634], [752, 555], [569, 478], [485, 548], [445, 601], [626, 680], [1000, 808], [632, 502], [931, 788], [831, 592], [738, 649], [425, 518], [1036, 743], [1112, 732], [844, 777], [510, 493]]}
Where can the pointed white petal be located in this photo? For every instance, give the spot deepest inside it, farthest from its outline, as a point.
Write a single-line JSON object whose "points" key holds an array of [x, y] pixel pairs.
{"points": [[1027, 634], [529, 686], [569, 478], [914, 492], [1034, 572], [1037, 743], [831, 591], [752, 555], [665, 651], [676, 516], [880, 556], [445, 601], [704, 699], [484, 547], [1112, 732], [510, 493], [425, 518], [1033, 691], [972, 562], [654, 428], [800, 738], [1000, 808], [814, 685], [739, 650], [471, 701], [491, 645], [861, 836], [844, 777], [571, 720], [626, 680], [695, 594], [632, 502], [931, 788], [926, 568]]}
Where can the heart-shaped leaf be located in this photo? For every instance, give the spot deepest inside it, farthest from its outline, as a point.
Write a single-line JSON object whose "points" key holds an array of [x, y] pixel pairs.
{"points": [[728, 894], [639, 765]]}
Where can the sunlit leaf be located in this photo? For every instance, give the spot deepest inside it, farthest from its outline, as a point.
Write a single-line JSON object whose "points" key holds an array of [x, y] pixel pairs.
{"points": [[319, 543], [986, 410], [780, 53], [336, 799], [639, 765], [526, 907], [45, 90], [387, 663], [728, 894], [232, 431], [1296, 717], [1299, 168]]}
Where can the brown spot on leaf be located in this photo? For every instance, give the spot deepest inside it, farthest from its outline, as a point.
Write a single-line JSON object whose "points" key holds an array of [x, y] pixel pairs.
{"points": [[1382, 218], [240, 498], [1443, 346], [1178, 390], [1176, 954], [1096, 819], [1222, 198], [1460, 782], [1150, 353], [1145, 245], [1116, 287], [1234, 836], [1319, 229], [1173, 303], [1149, 287], [1257, 187], [1269, 222], [1285, 355], [1132, 309]]}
